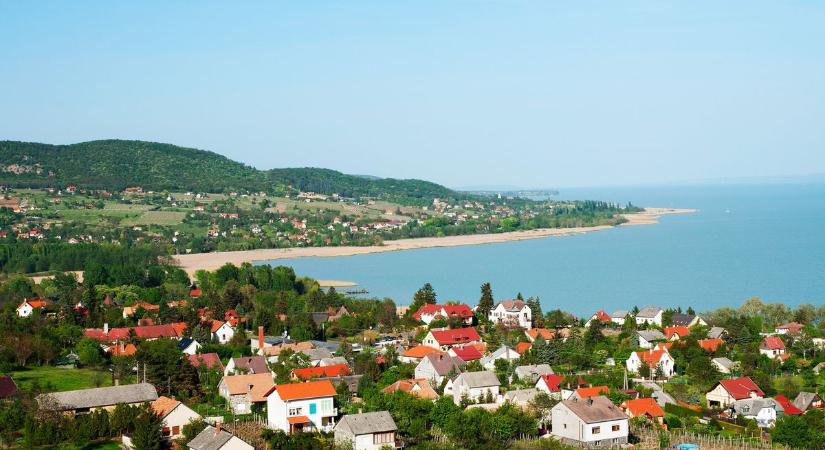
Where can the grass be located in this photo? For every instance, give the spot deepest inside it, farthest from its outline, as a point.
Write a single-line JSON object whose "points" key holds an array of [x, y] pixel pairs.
{"points": [[58, 380], [156, 218]]}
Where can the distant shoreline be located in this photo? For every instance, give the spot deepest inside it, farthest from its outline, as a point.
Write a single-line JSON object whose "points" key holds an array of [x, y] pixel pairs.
{"points": [[212, 261]]}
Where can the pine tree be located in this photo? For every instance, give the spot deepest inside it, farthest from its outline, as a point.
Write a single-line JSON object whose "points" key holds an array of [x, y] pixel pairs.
{"points": [[485, 303], [147, 434], [425, 295]]}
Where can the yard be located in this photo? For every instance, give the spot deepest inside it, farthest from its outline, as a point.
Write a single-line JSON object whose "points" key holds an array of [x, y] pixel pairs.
{"points": [[54, 379], [156, 218]]}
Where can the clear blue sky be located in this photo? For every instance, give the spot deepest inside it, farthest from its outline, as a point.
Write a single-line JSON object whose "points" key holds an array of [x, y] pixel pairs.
{"points": [[526, 93]]}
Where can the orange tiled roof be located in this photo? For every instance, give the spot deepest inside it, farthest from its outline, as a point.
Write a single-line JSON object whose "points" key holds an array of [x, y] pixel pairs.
{"points": [[592, 391], [522, 347], [643, 407], [419, 351], [325, 371], [710, 345], [123, 350], [310, 389], [651, 358], [164, 405], [545, 334], [418, 387], [256, 385], [679, 330]]}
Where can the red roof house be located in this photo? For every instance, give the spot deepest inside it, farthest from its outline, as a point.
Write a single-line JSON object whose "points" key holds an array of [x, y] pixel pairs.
{"points": [[741, 388], [710, 345], [550, 383], [788, 406], [676, 333], [466, 352], [208, 360], [318, 372], [445, 339]]}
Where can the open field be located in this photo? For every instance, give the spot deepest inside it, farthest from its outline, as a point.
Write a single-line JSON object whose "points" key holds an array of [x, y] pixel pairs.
{"points": [[156, 218], [59, 380]]}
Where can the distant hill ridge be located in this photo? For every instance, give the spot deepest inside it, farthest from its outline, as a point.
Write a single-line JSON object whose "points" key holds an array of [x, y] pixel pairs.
{"points": [[117, 164]]}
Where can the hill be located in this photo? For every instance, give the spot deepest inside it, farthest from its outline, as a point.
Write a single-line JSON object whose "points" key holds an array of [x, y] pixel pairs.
{"points": [[117, 164]]}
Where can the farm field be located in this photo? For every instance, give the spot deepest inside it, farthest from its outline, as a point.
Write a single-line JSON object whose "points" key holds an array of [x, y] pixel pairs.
{"points": [[57, 380]]}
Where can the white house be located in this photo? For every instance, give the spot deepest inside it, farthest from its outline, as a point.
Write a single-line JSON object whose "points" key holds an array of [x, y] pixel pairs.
{"points": [[189, 346], [174, 416], [650, 315], [475, 386], [26, 308], [773, 348], [503, 352], [594, 421], [550, 384], [619, 317], [732, 389], [212, 438], [723, 365], [434, 367], [222, 332], [648, 338], [533, 372], [512, 313], [763, 410], [301, 406], [658, 359], [368, 431]]}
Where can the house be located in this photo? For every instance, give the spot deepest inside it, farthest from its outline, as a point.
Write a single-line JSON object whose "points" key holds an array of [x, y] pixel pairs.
{"points": [[189, 346], [787, 406], [88, 400], [316, 355], [367, 431], [503, 352], [600, 316], [148, 332], [212, 438], [644, 407], [790, 329], [242, 392], [429, 312], [26, 308], [320, 372], [773, 348], [531, 374], [174, 415], [419, 387], [710, 345], [723, 365], [8, 388], [247, 364], [658, 359], [764, 411], [445, 339], [334, 361], [207, 360], [301, 406], [650, 315], [588, 392], [592, 422], [466, 352], [415, 354], [687, 320], [475, 386], [533, 334], [221, 331], [272, 352], [677, 332], [732, 389], [523, 347], [129, 311], [435, 367], [521, 397], [512, 313], [808, 400], [619, 317], [717, 333], [551, 385], [648, 338]]}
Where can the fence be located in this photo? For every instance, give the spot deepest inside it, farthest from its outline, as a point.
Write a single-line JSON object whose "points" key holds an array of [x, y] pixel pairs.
{"points": [[649, 438]]}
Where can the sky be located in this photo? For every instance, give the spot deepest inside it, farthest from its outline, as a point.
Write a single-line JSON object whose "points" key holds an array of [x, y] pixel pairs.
{"points": [[464, 93]]}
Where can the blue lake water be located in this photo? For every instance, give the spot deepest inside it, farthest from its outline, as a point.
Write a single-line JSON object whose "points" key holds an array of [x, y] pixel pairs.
{"points": [[745, 240]]}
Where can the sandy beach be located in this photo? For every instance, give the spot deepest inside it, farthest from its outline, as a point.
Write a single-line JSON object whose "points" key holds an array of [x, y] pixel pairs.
{"points": [[212, 261]]}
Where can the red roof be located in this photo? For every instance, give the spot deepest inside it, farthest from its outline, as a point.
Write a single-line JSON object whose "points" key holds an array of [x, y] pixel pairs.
{"points": [[710, 345], [592, 391], [428, 308], [216, 325], [209, 360], [195, 293], [792, 327], [522, 347], [602, 316], [741, 388], [652, 358], [553, 382], [297, 420], [310, 389], [35, 303], [679, 330], [534, 333], [146, 332], [326, 371], [461, 310], [643, 407], [467, 353], [789, 407], [456, 336], [419, 351], [773, 343]]}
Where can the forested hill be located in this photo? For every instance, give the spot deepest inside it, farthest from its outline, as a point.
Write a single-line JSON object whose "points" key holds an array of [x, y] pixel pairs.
{"points": [[117, 164]]}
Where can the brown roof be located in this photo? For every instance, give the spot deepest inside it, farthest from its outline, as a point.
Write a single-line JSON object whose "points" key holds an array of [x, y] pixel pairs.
{"points": [[8, 388], [418, 387], [594, 409], [209, 360], [256, 385], [253, 364], [164, 405]]}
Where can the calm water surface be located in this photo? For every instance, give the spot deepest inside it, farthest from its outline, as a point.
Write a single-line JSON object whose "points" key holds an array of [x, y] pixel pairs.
{"points": [[746, 240]]}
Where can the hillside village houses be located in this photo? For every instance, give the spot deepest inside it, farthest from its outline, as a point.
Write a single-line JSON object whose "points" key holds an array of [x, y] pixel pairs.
{"points": [[727, 391], [429, 312], [436, 367], [513, 313], [773, 348], [27, 307], [301, 406], [657, 360]]}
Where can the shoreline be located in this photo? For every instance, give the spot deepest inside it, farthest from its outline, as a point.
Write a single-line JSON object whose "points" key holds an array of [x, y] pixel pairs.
{"points": [[212, 261]]}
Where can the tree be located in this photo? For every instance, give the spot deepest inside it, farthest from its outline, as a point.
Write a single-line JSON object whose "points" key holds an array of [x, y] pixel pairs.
{"points": [[534, 303], [89, 353], [486, 302], [425, 295], [148, 434]]}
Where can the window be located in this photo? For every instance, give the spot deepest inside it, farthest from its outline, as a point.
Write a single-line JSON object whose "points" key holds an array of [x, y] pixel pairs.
{"points": [[295, 411], [596, 430], [175, 430], [615, 427], [313, 408], [383, 438]]}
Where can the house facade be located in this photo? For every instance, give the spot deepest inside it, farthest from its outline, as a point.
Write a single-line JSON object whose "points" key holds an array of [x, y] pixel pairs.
{"points": [[301, 406], [657, 360], [222, 332], [446, 339], [475, 386], [730, 390], [243, 392], [595, 421], [512, 313], [435, 367], [650, 315], [174, 415], [773, 347], [368, 431]]}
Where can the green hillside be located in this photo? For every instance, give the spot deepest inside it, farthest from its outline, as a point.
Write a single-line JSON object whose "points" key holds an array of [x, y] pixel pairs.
{"points": [[116, 164]]}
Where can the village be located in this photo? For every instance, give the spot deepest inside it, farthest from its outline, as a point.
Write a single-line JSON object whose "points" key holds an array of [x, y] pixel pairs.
{"points": [[603, 381]]}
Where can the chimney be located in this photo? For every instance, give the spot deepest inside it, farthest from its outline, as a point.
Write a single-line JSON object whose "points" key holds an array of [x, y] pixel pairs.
{"points": [[217, 428], [589, 401], [261, 338], [106, 328]]}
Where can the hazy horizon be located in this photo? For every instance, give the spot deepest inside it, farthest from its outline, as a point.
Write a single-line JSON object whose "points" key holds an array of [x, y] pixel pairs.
{"points": [[525, 94]]}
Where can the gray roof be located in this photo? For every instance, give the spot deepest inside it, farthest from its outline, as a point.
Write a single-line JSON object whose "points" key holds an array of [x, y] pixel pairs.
{"points": [[334, 360], [716, 332], [521, 396], [481, 379], [804, 399], [443, 363], [367, 423], [752, 406], [534, 370], [651, 335], [594, 409], [648, 312], [317, 354], [99, 397], [329, 345], [254, 364], [724, 362], [682, 319], [209, 439], [620, 314]]}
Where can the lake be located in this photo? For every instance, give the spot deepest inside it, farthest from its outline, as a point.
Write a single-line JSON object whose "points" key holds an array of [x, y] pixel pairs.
{"points": [[746, 240]]}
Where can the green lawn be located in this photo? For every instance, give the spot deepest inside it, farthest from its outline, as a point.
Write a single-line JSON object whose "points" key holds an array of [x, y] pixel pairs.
{"points": [[56, 379], [156, 218]]}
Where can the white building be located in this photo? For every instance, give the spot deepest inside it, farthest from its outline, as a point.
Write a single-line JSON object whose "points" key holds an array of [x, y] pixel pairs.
{"points": [[222, 332], [763, 410], [475, 386], [658, 359], [650, 315], [730, 390], [302, 406], [26, 308], [189, 346], [503, 352], [619, 317], [174, 416], [723, 365], [512, 313], [368, 431], [594, 421], [212, 438], [435, 367], [648, 338]]}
